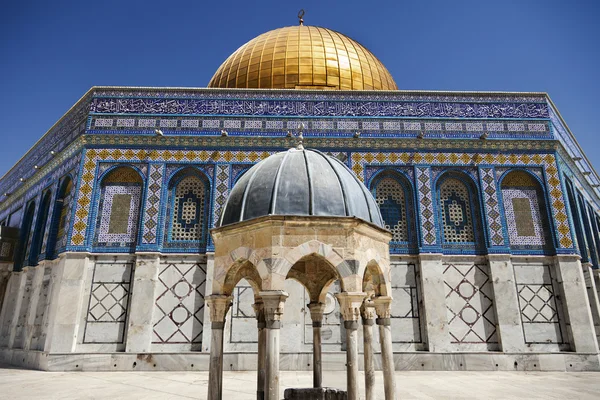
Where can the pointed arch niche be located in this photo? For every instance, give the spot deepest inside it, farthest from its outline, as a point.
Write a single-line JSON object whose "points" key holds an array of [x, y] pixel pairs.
{"points": [[188, 210], [394, 196], [525, 212], [57, 239], [119, 209], [459, 212]]}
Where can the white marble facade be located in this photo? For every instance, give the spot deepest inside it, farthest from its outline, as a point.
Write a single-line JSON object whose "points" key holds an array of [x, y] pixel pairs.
{"points": [[494, 306]]}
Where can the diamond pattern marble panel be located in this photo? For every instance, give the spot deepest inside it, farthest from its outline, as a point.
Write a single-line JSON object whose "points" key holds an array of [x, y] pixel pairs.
{"points": [[469, 304], [180, 304]]}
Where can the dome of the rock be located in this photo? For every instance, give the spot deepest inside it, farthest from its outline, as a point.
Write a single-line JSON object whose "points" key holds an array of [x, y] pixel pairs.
{"points": [[303, 57]]}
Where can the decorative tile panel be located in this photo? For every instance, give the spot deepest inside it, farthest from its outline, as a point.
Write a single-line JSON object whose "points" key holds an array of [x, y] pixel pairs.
{"points": [[523, 217], [389, 195], [152, 206], [359, 161], [457, 220], [469, 304], [119, 214], [180, 304], [492, 208], [426, 205], [187, 214]]}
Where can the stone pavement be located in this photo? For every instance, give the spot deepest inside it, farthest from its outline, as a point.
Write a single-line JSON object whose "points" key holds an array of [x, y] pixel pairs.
{"points": [[26, 384]]}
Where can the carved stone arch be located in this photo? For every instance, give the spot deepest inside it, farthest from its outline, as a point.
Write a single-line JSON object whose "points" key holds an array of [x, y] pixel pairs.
{"points": [[344, 267], [315, 272], [241, 269], [524, 205], [375, 280]]}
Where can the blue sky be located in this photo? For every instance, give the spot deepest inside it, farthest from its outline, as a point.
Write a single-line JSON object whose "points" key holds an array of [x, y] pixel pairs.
{"points": [[51, 53]]}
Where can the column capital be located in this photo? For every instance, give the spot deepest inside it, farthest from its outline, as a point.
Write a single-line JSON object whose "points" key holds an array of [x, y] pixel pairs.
{"points": [[316, 311], [383, 307], [218, 305], [350, 303], [367, 312], [259, 311], [273, 302]]}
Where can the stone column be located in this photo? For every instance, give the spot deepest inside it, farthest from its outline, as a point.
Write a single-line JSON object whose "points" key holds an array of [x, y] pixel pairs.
{"points": [[383, 307], [316, 314], [273, 301], [219, 305], [577, 307], [434, 302], [145, 278], [67, 304], [367, 312], [506, 303], [259, 311], [350, 303]]}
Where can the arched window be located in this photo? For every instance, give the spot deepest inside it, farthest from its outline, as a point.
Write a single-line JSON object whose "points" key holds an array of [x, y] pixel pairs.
{"points": [[459, 214], [393, 194], [24, 236], [576, 218], [57, 238], [188, 211], [524, 208], [40, 228], [119, 209]]}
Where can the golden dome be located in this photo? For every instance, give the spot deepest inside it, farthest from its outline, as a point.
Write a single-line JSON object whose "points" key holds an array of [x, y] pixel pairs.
{"points": [[303, 57]]}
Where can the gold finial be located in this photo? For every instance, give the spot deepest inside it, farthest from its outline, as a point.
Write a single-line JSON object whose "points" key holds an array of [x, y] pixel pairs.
{"points": [[299, 145], [301, 16]]}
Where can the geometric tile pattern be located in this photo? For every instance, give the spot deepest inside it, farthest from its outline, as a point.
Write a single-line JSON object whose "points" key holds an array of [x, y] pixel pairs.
{"points": [[180, 304], [222, 185], [456, 212], [152, 206], [389, 195], [188, 209], [360, 160], [523, 217], [119, 214], [93, 156], [469, 304], [425, 205], [492, 209]]}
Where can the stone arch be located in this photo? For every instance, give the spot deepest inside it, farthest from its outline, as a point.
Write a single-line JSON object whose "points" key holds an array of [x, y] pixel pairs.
{"points": [[316, 274], [525, 211], [458, 210], [188, 214], [394, 194], [241, 269], [374, 280], [40, 228], [118, 211], [60, 218]]}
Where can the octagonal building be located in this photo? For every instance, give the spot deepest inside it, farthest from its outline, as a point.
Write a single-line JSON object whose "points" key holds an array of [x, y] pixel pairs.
{"points": [[106, 254]]}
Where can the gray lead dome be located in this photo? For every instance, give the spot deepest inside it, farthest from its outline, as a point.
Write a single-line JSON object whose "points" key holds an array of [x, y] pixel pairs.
{"points": [[300, 182]]}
